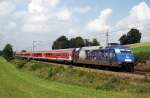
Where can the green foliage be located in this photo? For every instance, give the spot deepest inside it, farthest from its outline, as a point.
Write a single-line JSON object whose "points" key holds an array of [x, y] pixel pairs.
{"points": [[36, 66], [113, 84], [63, 43], [142, 89], [95, 42], [79, 42], [23, 50], [133, 36], [1, 53], [8, 52], [142, 56], [123, 40], [20, 65]]}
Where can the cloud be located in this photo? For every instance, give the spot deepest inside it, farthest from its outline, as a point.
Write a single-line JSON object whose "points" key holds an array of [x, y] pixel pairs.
{"points": [[100, 23], [6, 7], [138, 15], [64, 14], [40, 13], [42, 5]]}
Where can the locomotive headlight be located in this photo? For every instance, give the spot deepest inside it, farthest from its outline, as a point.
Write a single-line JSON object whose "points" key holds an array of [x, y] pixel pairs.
{"points": [[128, 60]]}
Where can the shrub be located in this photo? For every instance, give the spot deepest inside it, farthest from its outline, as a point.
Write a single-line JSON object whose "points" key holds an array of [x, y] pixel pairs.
{"points": [[113, 84], [36, 66], [20, 65], [8, 52], [142, 89], [55, 70]]}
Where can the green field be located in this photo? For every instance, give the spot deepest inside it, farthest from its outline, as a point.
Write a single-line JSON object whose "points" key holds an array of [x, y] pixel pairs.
{"points": [[140, 47], [16, 83]]}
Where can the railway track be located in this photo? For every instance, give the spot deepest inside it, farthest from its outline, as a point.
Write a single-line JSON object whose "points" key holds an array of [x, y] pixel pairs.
{"points": [[136, 75]]}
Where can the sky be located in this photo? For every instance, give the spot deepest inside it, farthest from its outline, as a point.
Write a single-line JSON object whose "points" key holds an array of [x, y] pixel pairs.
{"points": [[43, 21]]}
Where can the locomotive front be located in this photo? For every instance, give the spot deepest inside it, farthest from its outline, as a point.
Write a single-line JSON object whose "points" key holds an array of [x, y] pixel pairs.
{"points": [[125, 58]]}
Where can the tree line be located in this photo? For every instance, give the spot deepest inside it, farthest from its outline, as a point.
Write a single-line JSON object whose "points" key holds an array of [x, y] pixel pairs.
{"points": [[133, 36], [63, 42]]}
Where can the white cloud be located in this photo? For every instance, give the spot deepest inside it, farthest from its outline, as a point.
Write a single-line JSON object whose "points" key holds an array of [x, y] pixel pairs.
{"points": [[40, 13], [6, 7], [138, 15], [42, 5], [100, 23], [64, 14]]}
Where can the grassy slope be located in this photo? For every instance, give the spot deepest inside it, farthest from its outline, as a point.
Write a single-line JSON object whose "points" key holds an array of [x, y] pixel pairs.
{"points": [[18, 84], [141, 47]]}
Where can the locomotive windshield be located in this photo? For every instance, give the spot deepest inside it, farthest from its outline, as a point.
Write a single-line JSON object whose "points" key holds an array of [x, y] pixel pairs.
{"points": [[124, 51]]}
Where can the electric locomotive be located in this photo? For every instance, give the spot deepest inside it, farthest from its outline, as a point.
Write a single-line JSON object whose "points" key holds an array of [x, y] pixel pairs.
{"points": [[114, 56]]}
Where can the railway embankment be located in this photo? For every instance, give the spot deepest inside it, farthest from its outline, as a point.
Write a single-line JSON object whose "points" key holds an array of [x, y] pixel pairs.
{"points": [[90, 78]]}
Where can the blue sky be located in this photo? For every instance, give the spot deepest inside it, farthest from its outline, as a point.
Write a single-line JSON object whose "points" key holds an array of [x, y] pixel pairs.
{"points": [[46, 20], [120, 8]]}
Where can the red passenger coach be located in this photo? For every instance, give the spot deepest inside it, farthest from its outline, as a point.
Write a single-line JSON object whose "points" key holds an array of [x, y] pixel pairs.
{"points": [[24, 54], [65, 55], [59, 55], [37, 55]]}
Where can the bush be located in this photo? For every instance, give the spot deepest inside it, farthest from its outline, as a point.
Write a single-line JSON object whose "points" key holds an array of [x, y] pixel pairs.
{"points": [[36, 66], [8, 52], [142, 89], [113, 84], [142, 56], [55, 70], [20, 65]]}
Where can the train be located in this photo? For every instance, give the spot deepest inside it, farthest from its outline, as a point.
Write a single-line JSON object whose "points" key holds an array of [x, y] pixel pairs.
{"points": [[110, 56]]}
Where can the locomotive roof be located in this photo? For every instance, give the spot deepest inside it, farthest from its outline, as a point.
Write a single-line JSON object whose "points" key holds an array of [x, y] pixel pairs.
{"points": [[117, 46]]}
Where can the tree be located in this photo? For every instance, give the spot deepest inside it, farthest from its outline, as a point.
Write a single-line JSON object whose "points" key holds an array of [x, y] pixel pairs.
{"points": [[123, 40], [87, 42], [72, 43], [61, 43], [8, 52], [133, 36], [23, 50], [1, 53], [95, 42], [79, 42]]}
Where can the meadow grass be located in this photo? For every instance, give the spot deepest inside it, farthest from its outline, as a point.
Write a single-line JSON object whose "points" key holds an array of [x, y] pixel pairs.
{"points": [[140, 47], [68, 82]]}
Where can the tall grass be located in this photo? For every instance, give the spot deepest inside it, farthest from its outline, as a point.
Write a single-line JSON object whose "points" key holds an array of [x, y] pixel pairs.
{"points": [[84, 78]]}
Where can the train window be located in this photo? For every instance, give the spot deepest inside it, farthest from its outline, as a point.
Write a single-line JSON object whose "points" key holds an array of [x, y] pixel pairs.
{"points": [[48, 54], [37, 54], [125, 51]]}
